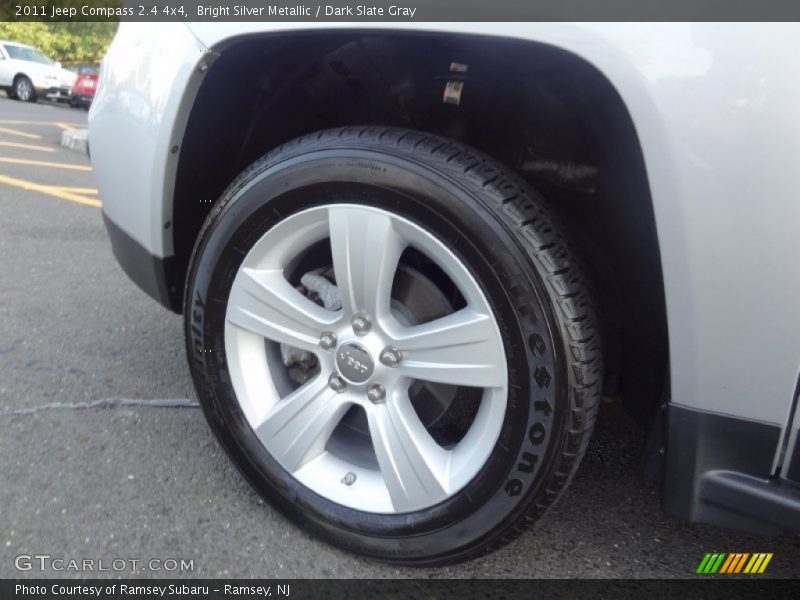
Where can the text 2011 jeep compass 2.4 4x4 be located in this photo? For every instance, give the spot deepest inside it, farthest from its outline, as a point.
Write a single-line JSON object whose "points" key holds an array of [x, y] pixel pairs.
{"points": [[411, 258]]}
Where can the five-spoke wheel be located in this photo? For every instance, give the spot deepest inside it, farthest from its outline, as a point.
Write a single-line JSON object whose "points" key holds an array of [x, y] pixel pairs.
{"points": [[367, 359]]}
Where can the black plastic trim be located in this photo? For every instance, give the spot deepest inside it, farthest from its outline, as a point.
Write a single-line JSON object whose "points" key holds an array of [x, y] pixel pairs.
{"points": [[43, 91], [152, 274], [793, 470], [719, 471], [774, 506]]}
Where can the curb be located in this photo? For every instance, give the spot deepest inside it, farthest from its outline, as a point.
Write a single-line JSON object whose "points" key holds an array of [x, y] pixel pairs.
{"points": [[75, 139]]}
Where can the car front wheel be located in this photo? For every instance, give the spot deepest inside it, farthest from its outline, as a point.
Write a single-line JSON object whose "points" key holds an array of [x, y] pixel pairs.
{"points": [[23, 89], [392, 340]]}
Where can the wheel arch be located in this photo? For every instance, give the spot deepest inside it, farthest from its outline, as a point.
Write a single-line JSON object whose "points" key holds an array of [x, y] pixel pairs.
{"points": [[264, 89]]}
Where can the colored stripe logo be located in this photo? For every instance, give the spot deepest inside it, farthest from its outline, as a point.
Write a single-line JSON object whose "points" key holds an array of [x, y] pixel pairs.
{"points": [[734, 562]]}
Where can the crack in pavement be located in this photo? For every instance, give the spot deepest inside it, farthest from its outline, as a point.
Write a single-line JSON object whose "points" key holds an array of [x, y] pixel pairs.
{"points": [[105, 403]]}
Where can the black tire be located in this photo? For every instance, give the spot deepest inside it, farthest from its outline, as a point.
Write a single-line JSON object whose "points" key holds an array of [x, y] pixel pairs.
{"points": [[517, 250], [24, 90]]}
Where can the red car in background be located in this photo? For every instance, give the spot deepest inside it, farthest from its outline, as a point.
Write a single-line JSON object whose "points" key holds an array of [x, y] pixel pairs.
{"points": [[82, 92]]}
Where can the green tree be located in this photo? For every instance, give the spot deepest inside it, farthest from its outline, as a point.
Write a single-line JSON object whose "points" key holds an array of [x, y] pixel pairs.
{"points": [[69, 42]]}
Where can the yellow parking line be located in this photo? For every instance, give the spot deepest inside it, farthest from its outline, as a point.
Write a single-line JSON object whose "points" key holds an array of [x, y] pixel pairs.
{"points": [[31, 136], [51, 190], [41, 163], [27, 147], [78, 190], [16, 122]]}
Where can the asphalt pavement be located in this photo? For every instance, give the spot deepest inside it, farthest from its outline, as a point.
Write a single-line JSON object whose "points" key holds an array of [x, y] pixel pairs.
{"points": [[84, 473]]}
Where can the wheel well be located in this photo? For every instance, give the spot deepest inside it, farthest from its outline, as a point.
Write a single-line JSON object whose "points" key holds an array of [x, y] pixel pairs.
{"points": [[546, 113]]}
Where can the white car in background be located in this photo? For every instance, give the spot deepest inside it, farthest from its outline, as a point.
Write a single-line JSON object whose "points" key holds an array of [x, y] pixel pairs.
{"points": [[27, 74], [412, 257]]}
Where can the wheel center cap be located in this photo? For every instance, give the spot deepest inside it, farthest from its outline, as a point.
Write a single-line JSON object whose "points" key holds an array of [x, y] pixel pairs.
{"points": [[354, 362]]}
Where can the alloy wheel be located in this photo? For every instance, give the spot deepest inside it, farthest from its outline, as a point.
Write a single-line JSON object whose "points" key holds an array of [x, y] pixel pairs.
{"points": [[368, 357], [24, 89]]}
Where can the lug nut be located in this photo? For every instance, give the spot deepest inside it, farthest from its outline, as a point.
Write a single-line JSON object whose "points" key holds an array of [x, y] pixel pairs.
{"points": [[376, 393], [391, 356], [361, 325], [337, 383], [328, 340]]}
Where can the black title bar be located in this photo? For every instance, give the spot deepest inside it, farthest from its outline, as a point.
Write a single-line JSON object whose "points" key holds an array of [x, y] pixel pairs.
{"points": [[399, 10]]}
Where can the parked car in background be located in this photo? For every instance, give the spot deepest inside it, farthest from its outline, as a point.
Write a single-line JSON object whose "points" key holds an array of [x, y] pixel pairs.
{"points": [[85, 86], [27, 74], [411, 265]]}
